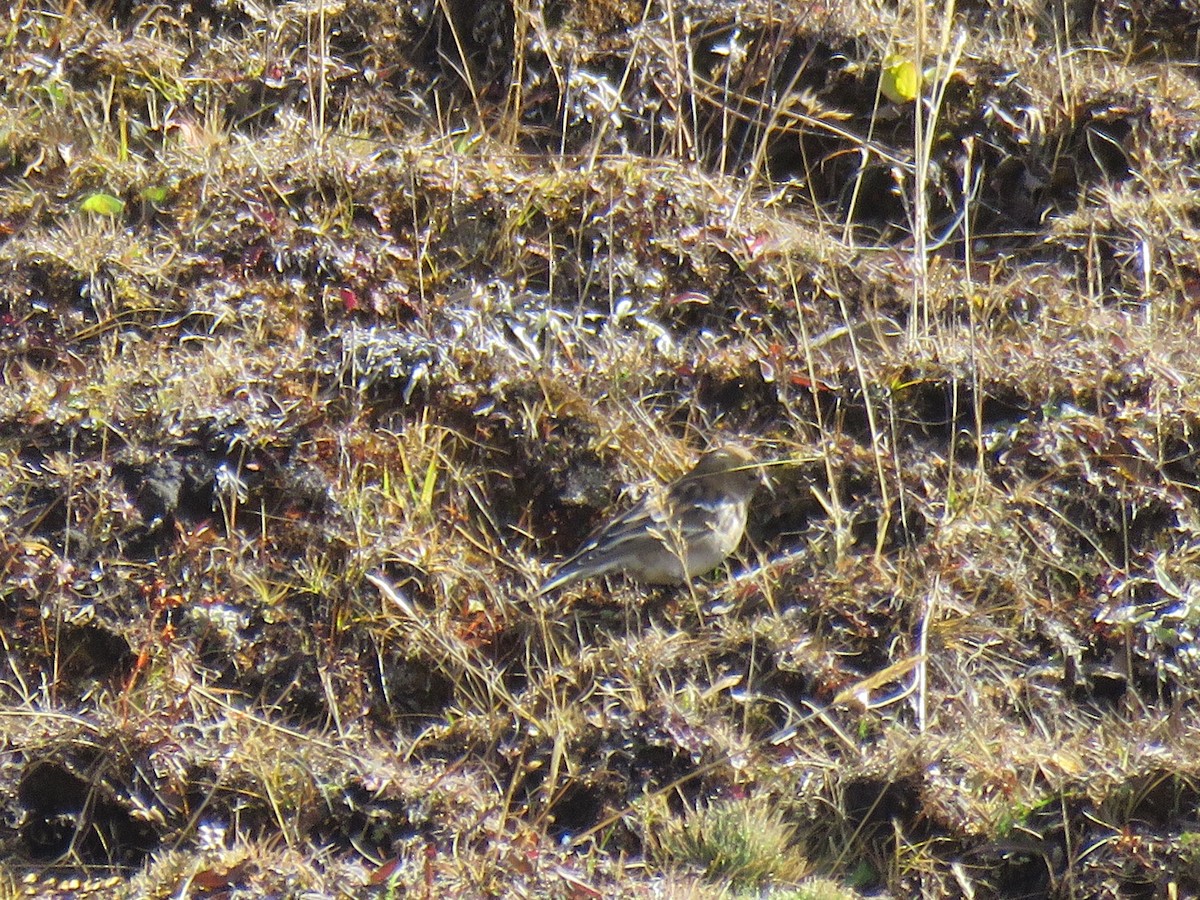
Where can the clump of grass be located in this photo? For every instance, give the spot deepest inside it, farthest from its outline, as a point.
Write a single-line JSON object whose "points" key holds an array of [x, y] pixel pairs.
{"points": [[745, 841], [815, 889]]}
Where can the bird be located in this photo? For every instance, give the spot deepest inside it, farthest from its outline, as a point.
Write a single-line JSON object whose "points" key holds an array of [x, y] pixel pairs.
{"points": [[677, 532]]}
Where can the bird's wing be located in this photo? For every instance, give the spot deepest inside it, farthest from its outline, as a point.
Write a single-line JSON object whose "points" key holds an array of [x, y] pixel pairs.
{"points": [[644, 516], [608, 545], [695, 505]]}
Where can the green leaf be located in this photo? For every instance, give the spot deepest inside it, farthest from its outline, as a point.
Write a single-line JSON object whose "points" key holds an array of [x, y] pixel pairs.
{"points": [[431, 474], [154, 194], [103, 205], [54, 90]]}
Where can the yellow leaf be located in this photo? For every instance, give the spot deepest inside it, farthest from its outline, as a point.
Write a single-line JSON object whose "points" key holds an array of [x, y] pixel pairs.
{"points": [[900, 79]]}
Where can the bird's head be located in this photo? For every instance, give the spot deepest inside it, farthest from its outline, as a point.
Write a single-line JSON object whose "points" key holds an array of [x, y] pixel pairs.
{"points": [[734, 462]]}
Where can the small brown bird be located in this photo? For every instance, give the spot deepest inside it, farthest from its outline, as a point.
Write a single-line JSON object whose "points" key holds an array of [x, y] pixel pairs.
{"points": [[682, 530]]}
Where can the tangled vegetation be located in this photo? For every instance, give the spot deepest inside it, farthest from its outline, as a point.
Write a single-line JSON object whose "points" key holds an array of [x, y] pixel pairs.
{"points": [[326, 326]]}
